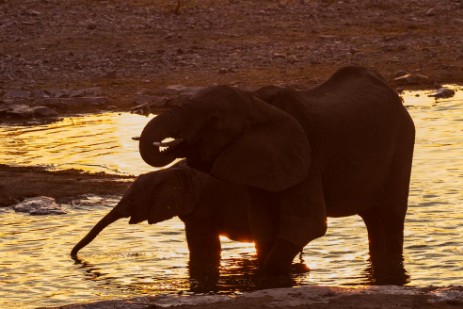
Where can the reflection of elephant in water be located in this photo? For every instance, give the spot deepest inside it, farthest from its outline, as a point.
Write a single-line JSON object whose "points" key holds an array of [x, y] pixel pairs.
{"points": [[208, 208], [342, 148]]}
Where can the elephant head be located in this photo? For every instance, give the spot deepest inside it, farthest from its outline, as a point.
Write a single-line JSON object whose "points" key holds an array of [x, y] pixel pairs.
{"points": [[232, 135], [155, 197]]}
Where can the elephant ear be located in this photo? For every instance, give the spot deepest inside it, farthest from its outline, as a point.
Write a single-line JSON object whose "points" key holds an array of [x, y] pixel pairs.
{"points": [[177, 195], [273, 154], [161, 195]]}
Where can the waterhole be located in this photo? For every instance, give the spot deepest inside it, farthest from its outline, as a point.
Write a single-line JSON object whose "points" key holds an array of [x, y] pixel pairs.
{"points": [[135, 260], [93, 143]]}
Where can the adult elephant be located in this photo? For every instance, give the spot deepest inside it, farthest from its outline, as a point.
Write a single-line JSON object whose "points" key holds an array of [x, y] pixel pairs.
{"points": [[342, 148]]}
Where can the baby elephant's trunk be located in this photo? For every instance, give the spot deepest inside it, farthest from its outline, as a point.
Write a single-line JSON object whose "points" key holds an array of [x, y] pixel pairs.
{"points": [[104, 222]]}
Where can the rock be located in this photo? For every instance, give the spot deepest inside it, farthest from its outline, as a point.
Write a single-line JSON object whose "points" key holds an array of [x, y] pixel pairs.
{"points": [[178, 89], [19, 111], [40, 94], [110, 74], [410, 79], [90, 200], [223, 70], [86, 92], [177, 101], [152, 101], [18, 94], [77, 93], [57, 93], [278, 56], [41, 205], [26, 111], [399, 73], [292, 59], [402, 77], [34, 13], [74, 104], [44, 111], [145, 91], [430, 12], [62, 94], [443, 93], [148, 104], [91, 25], [94, 92], [3, 111]]}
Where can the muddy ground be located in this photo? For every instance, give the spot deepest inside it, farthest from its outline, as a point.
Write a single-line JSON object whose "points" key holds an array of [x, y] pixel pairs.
{"points": [[65, 57]]}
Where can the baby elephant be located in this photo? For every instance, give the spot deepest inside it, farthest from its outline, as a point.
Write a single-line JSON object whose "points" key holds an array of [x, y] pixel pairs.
{"points": [[208, 208]]}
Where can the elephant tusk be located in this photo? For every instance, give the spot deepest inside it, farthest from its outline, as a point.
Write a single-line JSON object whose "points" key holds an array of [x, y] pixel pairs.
{"points": [[172, 143]]}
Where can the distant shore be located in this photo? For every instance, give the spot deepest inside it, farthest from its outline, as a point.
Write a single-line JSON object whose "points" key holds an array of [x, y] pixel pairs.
{"points": [[54, 62]]}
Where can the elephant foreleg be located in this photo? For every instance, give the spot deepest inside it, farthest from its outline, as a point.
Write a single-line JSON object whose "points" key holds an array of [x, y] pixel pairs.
{"points": [[264, 221], [203, 243], [303, 212], [302, 218]]}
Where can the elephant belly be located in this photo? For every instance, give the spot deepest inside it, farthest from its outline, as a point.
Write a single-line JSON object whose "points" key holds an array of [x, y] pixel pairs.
{"points": [[351, 200], [355, 173], [237, 234], [356, 190]]}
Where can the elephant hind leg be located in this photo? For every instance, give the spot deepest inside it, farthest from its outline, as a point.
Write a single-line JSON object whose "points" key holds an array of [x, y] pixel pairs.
{"points": [[385, 232], [385, 223]]}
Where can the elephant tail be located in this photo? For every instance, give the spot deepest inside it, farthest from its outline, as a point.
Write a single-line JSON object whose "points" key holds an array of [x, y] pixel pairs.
{"points": [[111, 217]]}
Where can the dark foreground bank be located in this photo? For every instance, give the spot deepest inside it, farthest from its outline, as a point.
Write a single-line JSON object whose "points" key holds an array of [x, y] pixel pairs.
{"points": [[302, 297]]}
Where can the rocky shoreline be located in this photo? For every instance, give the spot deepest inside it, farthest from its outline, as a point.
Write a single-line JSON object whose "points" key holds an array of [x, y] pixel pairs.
{"points": [[319, 297]]}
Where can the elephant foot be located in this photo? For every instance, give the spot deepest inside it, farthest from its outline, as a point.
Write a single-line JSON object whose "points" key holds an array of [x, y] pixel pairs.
{"points": [[387, 269], [280, 258], [300, 268], [263, 250]]}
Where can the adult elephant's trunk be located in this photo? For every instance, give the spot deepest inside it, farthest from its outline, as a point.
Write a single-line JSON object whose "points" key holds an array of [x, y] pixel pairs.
{"points": [[111, 217], [151, 146]]}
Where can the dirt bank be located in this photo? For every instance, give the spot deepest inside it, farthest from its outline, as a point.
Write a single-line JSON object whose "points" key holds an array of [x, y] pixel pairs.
{"points": [[17, 183], [90, 55]]}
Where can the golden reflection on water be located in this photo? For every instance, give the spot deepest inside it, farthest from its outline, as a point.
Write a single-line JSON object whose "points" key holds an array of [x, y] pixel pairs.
{"points": [[36, 270], [94, 143]]}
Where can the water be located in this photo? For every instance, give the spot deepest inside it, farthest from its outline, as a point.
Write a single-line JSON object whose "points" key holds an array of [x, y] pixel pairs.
{"points": [[36, 270], [95, 143]]}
